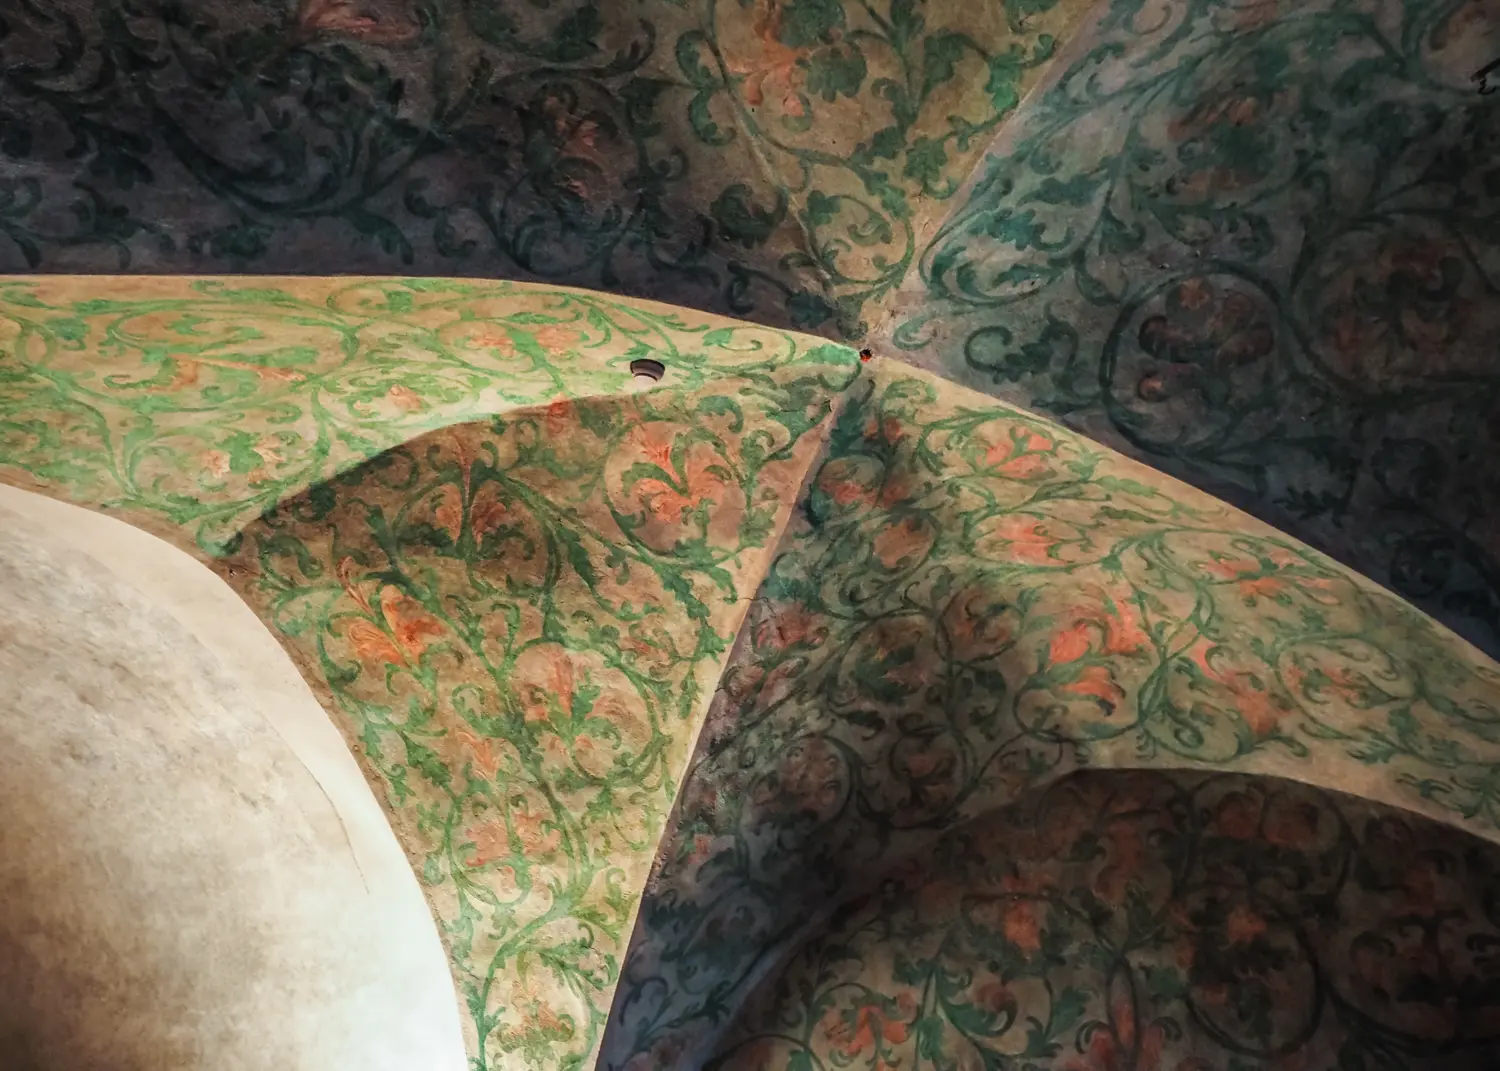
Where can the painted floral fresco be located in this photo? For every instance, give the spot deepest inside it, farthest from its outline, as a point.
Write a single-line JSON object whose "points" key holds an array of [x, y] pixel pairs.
{"points": [[197, 405], [521, 624], [516, 618], [681, 149], [1248, 241], [971, 603], [676, 698], [1159, 922], [1253, 244]]}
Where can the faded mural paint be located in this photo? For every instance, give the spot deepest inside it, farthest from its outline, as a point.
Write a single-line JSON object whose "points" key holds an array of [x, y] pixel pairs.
{"points": [[1253, 244], [521, 606], [776, 157], [514, 600], [971, 603], [1160, 922], [1248, 243]]}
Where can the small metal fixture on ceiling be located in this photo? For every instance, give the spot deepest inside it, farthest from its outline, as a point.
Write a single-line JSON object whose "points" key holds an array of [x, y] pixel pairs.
{"points": [[647, 372]]}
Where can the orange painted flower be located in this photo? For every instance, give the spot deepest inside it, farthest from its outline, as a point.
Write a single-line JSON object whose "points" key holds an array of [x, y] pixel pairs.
{"points": [[995, 997], [702, 848], [1237, 816], [1069, 644], [486, 516], [216, 464], [896, 491], [493, 338], [776, 65], [898, 542], [460, 446], [345, 571], [559, 416], [1263, 586], [560, 689], [371, 645], [1096, 682], [888, 429], [1124, 631], [806, 781], [703, 481], [486, 762], [537, 841], [555, 337], [787, 627], [491, 841], [1021, 457], [872, 1022], [279, 375], [404, 639], [1255, 704], [270, 451], [1232, 568], [407, 622], [1026, 539], [1025, 467], [845, 492], [405, 399], [186, 374], [1243, 925], [1117, 619], [1115, 1050], [1293, 826], [1195, 294], [1260, 707], [656, 443], [1349, 686], [1023, 926], [344, 17]]}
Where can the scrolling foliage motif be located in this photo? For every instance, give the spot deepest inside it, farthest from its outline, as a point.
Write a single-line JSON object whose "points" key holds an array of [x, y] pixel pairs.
{"points": [[971, 602], [516, 621], [868, 115], [194, 406], [583, 141], [1255, 241], [518, 626], [1159, 922]]}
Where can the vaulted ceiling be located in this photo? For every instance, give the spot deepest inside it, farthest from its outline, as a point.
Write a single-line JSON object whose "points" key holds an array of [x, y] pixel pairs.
{"points": [[1138, 776], [1252, 243]]}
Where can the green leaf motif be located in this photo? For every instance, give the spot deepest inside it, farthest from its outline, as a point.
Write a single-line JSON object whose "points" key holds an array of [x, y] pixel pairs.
{"points": [[926, 161], [744, 222], [805, 23], [836, 71]]}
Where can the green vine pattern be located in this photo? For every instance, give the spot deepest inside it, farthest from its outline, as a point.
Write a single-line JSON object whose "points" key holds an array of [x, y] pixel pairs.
{"points": [[671, 148], [800, 80], [198, 405], [972, 603], [893, 607], [1253, 242], [519, 626], [1156, 922]]}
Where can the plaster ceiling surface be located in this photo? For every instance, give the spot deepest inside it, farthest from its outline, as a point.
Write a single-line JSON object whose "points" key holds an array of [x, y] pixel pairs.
{"points": [[690, 707], [1249, 242], [656, 688], [188, 880]]}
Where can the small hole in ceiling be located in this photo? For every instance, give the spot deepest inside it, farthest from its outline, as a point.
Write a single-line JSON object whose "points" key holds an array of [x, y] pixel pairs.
{"points": [[645, 370]]}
